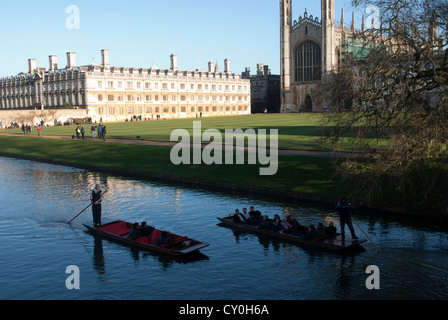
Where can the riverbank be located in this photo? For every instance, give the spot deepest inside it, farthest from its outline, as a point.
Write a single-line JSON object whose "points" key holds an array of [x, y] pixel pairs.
{"points": [[296, 175], [300, 178]]}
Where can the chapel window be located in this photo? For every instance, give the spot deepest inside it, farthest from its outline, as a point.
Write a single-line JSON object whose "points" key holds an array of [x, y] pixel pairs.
{"points": [[308, 62]]}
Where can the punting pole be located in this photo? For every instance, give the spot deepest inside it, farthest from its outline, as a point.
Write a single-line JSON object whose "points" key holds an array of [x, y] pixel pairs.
{"points": [[366, 234]]}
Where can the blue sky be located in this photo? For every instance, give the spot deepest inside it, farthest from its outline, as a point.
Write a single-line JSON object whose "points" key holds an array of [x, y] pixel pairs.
{"points": [[139, 33]]}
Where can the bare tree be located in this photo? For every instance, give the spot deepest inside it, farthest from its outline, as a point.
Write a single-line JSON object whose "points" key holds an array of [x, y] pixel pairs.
{"points": [[394, 87]]}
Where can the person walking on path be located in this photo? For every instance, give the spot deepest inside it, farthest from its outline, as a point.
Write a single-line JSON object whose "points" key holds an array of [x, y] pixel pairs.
{"points": [[344, 208], [104, 133], [96, 198], [100, 131], [39, 131]]}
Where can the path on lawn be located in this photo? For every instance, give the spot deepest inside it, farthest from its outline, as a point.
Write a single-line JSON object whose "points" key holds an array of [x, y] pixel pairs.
{"points": [[303, 153]]}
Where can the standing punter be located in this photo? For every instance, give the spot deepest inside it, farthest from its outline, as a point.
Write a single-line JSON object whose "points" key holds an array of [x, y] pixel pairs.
{"points": [[344, 208], [96, 197]]}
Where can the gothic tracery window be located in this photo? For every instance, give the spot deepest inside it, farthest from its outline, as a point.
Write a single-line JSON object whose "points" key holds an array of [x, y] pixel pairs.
{"points": [[308, 62]]}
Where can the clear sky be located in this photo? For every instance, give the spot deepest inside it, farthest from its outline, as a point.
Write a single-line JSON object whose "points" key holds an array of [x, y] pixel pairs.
{"points": [[139, 33]]}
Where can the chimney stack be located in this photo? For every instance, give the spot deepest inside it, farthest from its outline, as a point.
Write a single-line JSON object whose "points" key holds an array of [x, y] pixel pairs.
{"points": [[260, 68], [32, 65], [53, 63], [71, 60], [173, 62], [266, 71], [227, 66], [105, 58], [211, 67]]}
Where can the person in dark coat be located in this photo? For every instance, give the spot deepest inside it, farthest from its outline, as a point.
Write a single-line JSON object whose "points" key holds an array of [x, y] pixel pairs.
{"points": [[104, 133], [96, 198], [146, 230], [330, 230], [135, 232], [344, 209], [165, 238], [266, 223]]}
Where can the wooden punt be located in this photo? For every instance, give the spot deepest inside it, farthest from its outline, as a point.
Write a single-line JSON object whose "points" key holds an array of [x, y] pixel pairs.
{"points": [[332, 243], [118, 231]]}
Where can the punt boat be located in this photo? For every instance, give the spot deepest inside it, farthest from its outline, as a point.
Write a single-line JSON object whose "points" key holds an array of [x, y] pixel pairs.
{"points": [[332, 243], [118, 231]]}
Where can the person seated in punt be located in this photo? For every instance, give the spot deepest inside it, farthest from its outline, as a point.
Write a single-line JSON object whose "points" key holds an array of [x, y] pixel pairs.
{"points": [[297, 228], [266, 223], [330, 230], [311, 234], [238, 218], [165, 238], [286, 226], [135, 232], [255, 217], [246, 217], [320, 230], [146, 230], [276, 224]]}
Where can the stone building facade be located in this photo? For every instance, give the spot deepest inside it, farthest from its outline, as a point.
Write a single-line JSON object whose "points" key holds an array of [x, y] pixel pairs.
{"points": [[117, 93], [311, 50], [265, 89]]}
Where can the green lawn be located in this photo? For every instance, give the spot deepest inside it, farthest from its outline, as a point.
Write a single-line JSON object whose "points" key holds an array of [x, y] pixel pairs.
{"points": [[296, 131]]}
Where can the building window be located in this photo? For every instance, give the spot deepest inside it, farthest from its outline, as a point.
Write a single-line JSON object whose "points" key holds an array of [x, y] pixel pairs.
{"points": [[308, 62], [110, 98]]}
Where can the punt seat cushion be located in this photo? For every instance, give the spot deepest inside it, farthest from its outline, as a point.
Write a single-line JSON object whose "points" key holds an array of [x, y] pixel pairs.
{"points": [[120, 229]]}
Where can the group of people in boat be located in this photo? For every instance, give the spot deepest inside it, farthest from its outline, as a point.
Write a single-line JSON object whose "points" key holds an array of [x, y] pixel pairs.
{"points": [[288, 225], [144, 230]]}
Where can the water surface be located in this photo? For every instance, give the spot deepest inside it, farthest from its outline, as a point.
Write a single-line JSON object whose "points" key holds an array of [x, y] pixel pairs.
{"points": [[37, 244]]}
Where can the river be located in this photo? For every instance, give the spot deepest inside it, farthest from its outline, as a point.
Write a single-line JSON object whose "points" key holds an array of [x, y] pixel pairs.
{"points": [[37, 245]]}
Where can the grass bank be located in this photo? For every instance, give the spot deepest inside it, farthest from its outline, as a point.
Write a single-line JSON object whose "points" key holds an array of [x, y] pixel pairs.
{"points": [[302, 177]]}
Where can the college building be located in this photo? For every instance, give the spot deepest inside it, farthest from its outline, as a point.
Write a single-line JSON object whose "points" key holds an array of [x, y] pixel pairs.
{"points": [[111, 94], [265, 89], [311, 49]]}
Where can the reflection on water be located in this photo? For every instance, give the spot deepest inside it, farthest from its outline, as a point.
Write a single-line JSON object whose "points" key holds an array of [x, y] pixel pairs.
{"points": [[37, 244]]}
